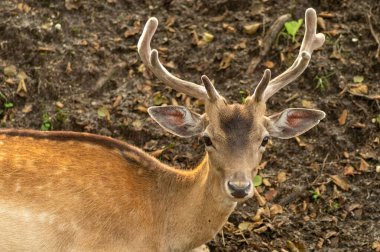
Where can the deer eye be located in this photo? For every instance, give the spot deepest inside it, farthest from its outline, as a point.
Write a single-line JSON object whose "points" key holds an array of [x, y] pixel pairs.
{"points": [[265, 141], [207, 141]]}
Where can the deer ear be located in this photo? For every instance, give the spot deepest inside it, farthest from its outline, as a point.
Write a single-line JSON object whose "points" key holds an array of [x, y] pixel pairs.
{"points": [[293, 122], [178, 120]]}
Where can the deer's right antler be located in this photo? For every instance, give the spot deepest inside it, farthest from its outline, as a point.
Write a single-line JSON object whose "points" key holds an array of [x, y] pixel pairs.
{"points": [[310, 42], [152, 62]]}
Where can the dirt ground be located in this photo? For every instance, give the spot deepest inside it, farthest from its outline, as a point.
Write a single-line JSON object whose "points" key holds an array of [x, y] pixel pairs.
{"points": [[73, 65]]}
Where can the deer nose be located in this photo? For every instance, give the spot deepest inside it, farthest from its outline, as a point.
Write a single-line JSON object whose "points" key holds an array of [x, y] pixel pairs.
{"points": [[239, 189]]}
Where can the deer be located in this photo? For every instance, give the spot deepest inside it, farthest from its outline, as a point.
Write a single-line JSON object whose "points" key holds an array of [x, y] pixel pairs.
{"points": [[70, 191]]}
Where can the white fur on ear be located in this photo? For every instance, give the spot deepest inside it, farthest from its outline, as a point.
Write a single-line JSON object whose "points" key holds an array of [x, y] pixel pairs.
{"points": [[293, 122], [178, 120]]}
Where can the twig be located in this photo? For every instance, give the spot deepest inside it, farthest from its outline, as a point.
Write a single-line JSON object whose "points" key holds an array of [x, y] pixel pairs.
{"points": [[268, 41], [375, 36], [102, 80]]}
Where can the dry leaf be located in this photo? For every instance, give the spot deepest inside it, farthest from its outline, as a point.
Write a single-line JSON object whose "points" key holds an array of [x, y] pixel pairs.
{"points": [[27, 108], [321, 23], [359, 89], [363, 165], [376, 246], [343, 117], [21, 88], [23, 7], [157, 153], [281, 177], [269, 64], [10, 71], [59, 105], [245, 226], [226, 61], [261, 229], [275, 209], [307, 104], [349, 171], [346, 154], [251, 28], [259, 198], [229, 28], [340, 182], [266, 182], [270, 194], [117, 101]]}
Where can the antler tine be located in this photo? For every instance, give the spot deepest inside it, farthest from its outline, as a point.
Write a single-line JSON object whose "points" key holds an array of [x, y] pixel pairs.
{"points": [[152, 62], [212, 93], [260, 89], [311, 42]]}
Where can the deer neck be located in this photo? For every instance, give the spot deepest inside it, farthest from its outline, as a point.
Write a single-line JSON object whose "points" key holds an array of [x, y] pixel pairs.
{"points": [[202, 209]]}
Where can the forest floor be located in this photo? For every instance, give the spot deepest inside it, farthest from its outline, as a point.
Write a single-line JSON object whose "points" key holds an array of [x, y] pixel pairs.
{"points": [[73, 65]]}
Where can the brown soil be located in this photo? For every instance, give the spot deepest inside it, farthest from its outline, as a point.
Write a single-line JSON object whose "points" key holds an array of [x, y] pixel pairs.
{"points": [[66, 48]]}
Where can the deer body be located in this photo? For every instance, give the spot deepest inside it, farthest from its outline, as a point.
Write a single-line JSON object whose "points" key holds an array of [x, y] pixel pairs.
{"points": [[78, 192], [82, 192]]}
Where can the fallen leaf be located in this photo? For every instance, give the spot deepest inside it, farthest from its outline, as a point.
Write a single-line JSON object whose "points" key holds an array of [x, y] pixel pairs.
{"points": [[269, 64], [257, 180], [23, 7], [229, 28], [275, 209], [104, 113], [226, 61], [251, 28], [245, 226], [363, 165], [281, 177], [131, 32], [72, 4], [378, 168], [21, 88], [10, 71], [340, 182], [343, 117], [376, 246], [358, 79], [346, 154], [261, 229], [359, 89], [307, 104], [159, 99], [27, 108], [349, 171], [117, 101], [321, 23], [59, 105], [266, 182], [270, 194]]}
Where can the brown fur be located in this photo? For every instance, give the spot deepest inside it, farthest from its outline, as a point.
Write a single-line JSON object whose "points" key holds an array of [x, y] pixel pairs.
{"points": [[77, 191]]}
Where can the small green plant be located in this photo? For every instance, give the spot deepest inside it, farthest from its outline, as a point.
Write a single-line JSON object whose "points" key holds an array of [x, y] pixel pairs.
{"points": [[292, 28], [6, 104], [243, 96], [323, 81], [314, 195], [46, 123]]}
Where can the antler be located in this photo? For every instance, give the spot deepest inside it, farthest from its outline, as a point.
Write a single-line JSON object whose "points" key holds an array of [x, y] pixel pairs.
{"points": [[311, 42], [151, 61]]}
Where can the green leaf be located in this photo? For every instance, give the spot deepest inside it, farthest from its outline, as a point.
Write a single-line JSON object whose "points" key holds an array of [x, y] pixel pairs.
{"points": [[378, 118], [8, 105], [257, 180], [292, 27], [103, 112], [358, 79]]}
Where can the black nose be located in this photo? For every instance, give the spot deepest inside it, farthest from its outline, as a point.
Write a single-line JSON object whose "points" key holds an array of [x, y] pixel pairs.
{"points": [[239, 189]]}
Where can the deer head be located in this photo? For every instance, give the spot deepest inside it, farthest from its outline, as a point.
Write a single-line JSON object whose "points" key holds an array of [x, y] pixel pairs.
{"points": [[235, 135]]}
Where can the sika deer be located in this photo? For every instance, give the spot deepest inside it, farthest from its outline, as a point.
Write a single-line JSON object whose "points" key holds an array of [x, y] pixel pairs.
{"points": [[80, 192]]}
